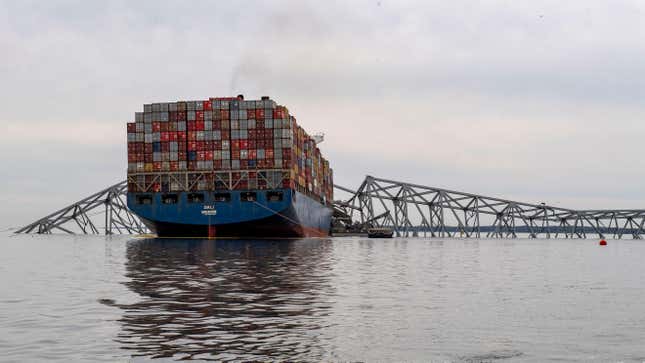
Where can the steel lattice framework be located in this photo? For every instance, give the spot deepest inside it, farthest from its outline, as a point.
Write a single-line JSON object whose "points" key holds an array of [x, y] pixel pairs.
{"points": [[409, 209], [413, 210], [107, 205]]}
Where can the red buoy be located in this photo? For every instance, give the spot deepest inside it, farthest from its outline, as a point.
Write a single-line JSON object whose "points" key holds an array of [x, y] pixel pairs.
{"points": [[603, 242]]}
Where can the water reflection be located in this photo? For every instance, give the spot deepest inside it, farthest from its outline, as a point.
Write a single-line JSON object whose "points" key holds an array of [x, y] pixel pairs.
{"points": [[227, 299]]}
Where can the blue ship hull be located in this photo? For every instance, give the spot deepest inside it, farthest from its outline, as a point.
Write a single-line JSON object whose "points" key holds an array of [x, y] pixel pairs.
{"points": [[230, 214]]}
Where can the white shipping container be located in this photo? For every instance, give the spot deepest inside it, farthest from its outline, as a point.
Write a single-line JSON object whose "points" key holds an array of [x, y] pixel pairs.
{"points": [[147, 138], [190, 115]]}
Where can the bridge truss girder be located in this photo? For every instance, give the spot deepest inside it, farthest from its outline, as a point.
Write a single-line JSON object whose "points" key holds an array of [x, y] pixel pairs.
{"points": [[109, 215], [412, 209]]}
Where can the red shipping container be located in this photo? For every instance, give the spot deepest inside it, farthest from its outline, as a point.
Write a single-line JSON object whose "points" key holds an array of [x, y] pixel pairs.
{"points": [[235, 154], [181, 136], [244, 164], [278, 112], [268, 154], [181, 116], [165, 146], [147, 158], [156, 166], [250, 114], [156, 126], [131, 158], [172, 136], [253, 154], [259, 113], [217, 164], [131, 146], [207, 105], [225, 115], [226, 134], [181, 155], [252, 134], [192, 165], [208, 155], [174, 166], [235, 144], [217, 125], [147, 148], [208, 145], [252, 144], [199, 125], [190, 125], [201, 155], [201, 146], [165, 136], [163, 126], [259, 124], [268, 144], [139, 157], [199, 115], [132, 127], [192, 145], [244, 144], [217, 145]]}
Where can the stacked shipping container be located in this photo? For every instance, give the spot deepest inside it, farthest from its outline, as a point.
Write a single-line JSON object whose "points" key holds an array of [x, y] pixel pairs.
{"points": [[224, 143]]}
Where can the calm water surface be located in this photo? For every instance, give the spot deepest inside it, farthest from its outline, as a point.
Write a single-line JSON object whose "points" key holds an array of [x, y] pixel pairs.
{"points": [[350, 299]]}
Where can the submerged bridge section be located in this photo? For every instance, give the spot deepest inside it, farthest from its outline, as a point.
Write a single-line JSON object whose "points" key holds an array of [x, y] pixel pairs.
{"points": [[408, 209], [417, 210], [104, 212]]}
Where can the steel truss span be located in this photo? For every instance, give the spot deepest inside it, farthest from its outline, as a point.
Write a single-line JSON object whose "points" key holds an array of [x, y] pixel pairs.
{"points": [[104, 212], [409, 209], [417, 210]]}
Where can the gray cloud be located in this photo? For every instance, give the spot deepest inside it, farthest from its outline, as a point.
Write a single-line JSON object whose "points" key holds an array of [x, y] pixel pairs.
{"points": [[538, 101]]}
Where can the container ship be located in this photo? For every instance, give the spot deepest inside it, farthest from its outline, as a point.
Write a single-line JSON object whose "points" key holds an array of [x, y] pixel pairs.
{"points": [[227, 167]]}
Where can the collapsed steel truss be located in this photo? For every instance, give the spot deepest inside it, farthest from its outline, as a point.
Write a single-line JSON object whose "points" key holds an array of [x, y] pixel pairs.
{"points": [[414, 210], [409, 209], [107, 205]]}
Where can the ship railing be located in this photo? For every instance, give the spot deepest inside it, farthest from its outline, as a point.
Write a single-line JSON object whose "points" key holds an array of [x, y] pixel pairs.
{"points": [[175, 181]]}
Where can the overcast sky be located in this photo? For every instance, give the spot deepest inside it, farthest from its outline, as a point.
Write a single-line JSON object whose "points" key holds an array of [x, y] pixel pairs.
{"points": [[532, 100]]}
